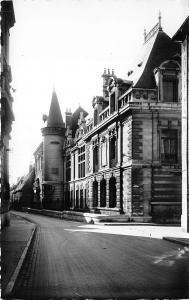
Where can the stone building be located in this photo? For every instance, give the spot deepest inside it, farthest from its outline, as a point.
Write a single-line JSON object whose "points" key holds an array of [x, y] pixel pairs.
{"points": [[182, 37], [22, 194], [7, 116], [126, 158]]}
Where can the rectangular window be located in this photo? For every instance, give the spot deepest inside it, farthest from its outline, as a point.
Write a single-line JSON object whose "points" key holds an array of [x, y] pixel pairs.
{"points": [[169, 146], [81, 162], [113, 152], [68, 167], [74, 166], [95, 159], [104, 153], [170, 91]]}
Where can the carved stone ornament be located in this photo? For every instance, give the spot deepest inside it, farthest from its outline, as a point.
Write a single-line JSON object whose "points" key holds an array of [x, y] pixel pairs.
{"points": [[112, 133], [95, 143], [103, 139], [111, 84]]}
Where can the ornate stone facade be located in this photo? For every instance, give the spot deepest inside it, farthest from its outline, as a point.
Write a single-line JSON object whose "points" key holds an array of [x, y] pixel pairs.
{"points": [[131, 149]]}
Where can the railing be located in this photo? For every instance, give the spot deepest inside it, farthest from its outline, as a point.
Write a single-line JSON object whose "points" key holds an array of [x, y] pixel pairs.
{"points": [[89, 127], [151, 33], [104, 114], [124, 100]]}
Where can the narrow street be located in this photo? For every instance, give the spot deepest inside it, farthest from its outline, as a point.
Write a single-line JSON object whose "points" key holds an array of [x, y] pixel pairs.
{"points": [[68, 259]]}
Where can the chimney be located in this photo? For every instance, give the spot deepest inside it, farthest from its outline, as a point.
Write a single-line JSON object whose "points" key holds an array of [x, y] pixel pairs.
{"points": [[68, 117]]}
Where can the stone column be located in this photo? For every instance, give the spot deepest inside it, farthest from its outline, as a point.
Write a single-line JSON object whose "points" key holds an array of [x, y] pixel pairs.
{"points": [[107, 193], [119, 143], [118, 192], [98, 180]]}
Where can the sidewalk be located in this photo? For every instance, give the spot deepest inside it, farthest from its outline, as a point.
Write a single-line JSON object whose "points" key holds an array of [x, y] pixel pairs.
{"points": [[15, 241], [170, 233]]}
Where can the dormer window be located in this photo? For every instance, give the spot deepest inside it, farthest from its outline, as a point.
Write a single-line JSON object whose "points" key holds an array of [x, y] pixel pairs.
{"points": [[170, 89], [95, 117], [167, 78], [112, 103]]}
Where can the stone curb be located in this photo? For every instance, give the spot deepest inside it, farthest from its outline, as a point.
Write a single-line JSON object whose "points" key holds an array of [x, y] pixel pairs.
{"points": [[12, 281], [136, 224], [176, 241]]}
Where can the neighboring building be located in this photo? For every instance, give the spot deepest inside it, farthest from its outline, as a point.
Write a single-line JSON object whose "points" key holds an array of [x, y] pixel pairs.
{"points": [[22, 194], [126, 158], [7, 116], [38, 154], [182, 36]]}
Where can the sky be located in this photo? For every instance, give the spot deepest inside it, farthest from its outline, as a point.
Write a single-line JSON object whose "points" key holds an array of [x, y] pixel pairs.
{"points": [[66, 44]]}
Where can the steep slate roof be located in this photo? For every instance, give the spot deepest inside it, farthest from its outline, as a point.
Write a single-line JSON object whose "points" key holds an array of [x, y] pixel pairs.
{"points": [[55, 116], [182, 32], [157, 49], [26, 181]]}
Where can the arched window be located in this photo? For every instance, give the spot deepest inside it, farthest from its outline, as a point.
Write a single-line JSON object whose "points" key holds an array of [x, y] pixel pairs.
{"points": [[103, 193], [95, 193], [81, 198], [112, 189], [77, 199]]}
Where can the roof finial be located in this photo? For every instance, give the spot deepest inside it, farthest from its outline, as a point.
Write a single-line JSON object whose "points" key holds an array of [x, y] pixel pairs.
{"points": [[159, 18]]}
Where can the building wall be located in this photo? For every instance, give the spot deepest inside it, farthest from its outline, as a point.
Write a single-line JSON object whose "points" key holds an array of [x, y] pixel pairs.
{"points": [[185, 134], [7, 117], [38, 186], [53, 170]]}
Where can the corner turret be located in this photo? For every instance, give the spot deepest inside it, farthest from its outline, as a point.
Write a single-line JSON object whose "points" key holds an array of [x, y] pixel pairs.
{"points": [[53, 141]]}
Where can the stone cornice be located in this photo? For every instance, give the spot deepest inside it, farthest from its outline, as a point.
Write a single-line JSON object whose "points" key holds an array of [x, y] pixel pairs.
{"points": [[53, 131]]}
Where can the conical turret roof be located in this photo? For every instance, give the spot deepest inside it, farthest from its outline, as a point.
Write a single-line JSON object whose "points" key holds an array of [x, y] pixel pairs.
{"points": [[55, 116]]}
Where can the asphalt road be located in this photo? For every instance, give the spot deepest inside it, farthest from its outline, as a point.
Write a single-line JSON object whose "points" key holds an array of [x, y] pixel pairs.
{"points": [[68, 260]]}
